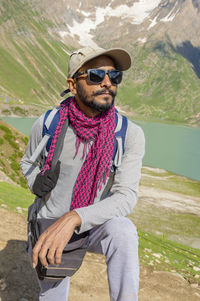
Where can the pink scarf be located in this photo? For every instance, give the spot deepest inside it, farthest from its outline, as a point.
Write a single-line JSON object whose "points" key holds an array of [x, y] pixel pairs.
{"points": [[96, 167]]}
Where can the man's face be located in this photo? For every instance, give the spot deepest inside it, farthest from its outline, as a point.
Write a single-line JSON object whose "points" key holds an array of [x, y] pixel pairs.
{"points": [[97, 97]]}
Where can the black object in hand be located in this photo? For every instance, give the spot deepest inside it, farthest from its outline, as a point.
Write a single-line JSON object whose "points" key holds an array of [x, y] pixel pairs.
{"points": [[45, 183]]}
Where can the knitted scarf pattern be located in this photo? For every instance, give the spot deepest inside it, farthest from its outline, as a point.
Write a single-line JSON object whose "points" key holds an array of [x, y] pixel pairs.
{"points": [[96, 167]]}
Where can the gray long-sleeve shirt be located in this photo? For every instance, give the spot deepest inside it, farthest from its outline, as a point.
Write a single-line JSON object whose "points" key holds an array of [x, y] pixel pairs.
{"points": [[121, 196]]}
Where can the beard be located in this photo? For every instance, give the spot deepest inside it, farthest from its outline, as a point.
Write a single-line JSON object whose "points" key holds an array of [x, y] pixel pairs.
{"points": [[93, 103]]}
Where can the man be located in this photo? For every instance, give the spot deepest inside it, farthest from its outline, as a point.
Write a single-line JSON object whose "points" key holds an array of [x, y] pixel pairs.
{"points": [[76, 191]]}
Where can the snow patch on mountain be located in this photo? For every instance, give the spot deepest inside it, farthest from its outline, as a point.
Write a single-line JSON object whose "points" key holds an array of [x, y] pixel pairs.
{"points": [[172, 14], [153, 23], [142, 40], [135, 14]]}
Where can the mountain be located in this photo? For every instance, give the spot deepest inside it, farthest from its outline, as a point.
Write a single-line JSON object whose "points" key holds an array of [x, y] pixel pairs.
{"points": [[161, 36], [104, 22]]}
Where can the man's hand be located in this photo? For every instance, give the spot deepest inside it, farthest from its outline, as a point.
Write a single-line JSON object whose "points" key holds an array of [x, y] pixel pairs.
{"points": [[51, 243], [45, 183]]}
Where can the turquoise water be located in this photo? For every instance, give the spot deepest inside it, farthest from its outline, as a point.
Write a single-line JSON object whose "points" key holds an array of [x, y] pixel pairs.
{"points": [[174, 148], [24, 125], [171, 147]]}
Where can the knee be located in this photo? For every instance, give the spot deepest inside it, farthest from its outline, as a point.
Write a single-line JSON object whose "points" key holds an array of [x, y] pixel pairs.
{"points": [[122, 232]]}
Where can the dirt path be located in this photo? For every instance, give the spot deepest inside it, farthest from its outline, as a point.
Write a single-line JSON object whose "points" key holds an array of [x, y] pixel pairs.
{"points": [[18, 281], [170, 200]]}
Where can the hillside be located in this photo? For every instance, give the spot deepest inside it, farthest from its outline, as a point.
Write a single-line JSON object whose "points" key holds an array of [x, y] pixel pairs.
{"points": [[33, 63], [163, 83], [12, 146]]}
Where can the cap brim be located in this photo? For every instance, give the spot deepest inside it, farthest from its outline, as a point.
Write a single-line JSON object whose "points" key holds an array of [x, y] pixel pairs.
{"points": [[121, 58]]}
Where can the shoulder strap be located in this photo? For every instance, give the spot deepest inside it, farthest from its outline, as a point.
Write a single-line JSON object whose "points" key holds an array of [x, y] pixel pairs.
{"points": [[51, 120], [49, 126], [121, 123]]}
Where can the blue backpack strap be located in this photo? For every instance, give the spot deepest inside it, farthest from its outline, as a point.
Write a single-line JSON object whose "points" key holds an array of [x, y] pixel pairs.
{"points": [[121, 123], [50, 123]]}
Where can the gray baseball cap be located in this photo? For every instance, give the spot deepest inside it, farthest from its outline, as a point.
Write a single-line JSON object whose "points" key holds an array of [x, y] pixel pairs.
{"points": [[79, 57]]}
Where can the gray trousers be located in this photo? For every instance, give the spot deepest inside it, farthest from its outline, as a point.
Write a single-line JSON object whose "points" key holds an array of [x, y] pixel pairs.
{"points": [[117, 239]]}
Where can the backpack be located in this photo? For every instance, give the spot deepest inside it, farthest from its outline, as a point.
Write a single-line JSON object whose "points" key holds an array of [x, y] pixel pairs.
{"points": [[50, 122]]}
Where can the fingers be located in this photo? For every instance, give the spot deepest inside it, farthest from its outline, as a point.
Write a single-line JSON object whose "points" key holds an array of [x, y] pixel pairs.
{"points": [[51, 255], [54, 255], [40, 251], [51, 243], [46, 253], [58, 255]]}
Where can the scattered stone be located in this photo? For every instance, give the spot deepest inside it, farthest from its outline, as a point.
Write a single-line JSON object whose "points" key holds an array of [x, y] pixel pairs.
{"points": [[196, 269], [197, 276], [196, 294], [194, 285], [191, 263], [147, 250], [4, 206], [159, 233], [157, 255], [19, 209], [3, 284]]}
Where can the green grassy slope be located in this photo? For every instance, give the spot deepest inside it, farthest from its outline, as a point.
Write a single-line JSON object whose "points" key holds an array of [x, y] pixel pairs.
{"points": [[161, 85], [33, 64], [12, 197], [12, 146]]}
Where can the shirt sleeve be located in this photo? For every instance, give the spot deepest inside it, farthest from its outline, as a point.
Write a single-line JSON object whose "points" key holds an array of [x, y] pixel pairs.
{"points": [[124, 191], [30, 169]]}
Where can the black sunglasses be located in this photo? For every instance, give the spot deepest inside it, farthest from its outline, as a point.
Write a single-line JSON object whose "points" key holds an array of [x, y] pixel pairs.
{"points": [[96, 76]]}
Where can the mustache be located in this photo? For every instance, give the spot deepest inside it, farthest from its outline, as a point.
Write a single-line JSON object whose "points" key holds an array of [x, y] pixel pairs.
{"points": [[113, 94]]}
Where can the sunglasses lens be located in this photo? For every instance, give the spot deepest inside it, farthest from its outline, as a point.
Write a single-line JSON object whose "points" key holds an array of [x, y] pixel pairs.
{"points": [[115, 77], [96, 76]]}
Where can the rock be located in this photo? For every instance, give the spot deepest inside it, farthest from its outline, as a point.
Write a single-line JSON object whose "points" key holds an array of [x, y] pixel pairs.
{"points": [[194, 285], [157, 255], [19, 209], [3, 284], [147, 250]]}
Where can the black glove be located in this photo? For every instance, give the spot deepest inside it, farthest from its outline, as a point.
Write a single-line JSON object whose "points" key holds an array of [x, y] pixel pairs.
{"points": [[45, 183]]}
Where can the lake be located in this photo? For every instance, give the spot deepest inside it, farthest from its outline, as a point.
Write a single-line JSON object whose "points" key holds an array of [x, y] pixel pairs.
{"points": [[171, 147]]}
